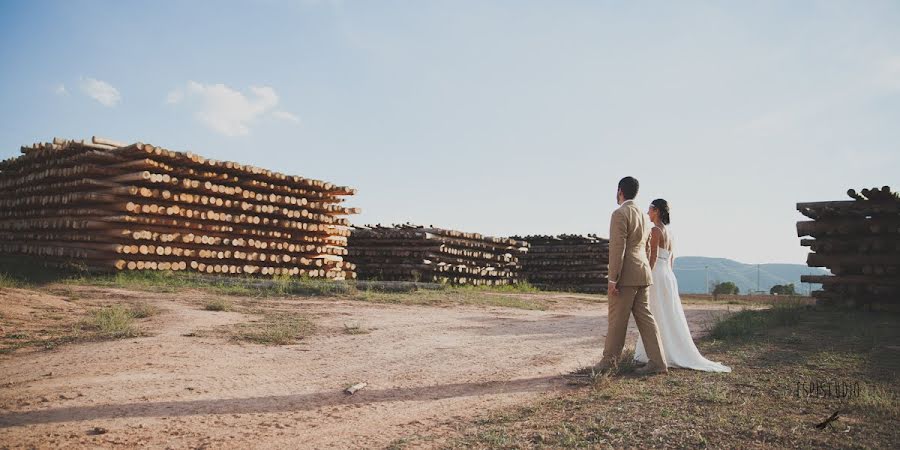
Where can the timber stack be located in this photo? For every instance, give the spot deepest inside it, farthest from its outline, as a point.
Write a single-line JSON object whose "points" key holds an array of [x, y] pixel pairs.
{"points": [[567, 262], [428, 254], [109, 206], [858, 240]]}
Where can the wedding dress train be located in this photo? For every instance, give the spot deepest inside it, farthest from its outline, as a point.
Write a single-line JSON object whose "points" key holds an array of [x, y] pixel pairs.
{"points": [[665, 304]]}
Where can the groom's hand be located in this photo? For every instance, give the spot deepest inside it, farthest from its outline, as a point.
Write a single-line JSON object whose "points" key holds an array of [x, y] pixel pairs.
{"points": [[611, 288]]}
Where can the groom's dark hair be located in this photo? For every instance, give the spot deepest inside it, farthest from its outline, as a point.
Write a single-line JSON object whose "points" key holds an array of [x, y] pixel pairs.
{"points": [[629, 187]]}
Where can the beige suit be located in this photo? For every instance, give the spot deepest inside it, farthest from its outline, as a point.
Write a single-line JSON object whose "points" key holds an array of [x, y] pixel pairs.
{"points": [[629, 231]]}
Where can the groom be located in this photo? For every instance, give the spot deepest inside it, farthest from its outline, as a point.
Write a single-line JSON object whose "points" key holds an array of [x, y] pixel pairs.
{"points": [[629, 281]]}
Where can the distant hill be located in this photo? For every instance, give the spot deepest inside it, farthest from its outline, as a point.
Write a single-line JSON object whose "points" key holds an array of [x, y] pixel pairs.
{"points": [[691, 274]]}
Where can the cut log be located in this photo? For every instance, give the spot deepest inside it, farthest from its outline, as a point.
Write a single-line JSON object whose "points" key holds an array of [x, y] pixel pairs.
{"points": [[355, 388]]}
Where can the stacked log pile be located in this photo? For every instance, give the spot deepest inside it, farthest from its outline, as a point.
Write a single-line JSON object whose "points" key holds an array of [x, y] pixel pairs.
{"points": [[110, 206], [427, 254], [858, 240], [567, 262]]}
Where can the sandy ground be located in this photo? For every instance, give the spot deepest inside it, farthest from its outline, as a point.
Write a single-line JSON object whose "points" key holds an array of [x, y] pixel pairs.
{"points": [[428, 369]]}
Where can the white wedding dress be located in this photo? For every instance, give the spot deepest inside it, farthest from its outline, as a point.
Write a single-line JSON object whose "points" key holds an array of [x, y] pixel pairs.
{"points": [[665, 304]]}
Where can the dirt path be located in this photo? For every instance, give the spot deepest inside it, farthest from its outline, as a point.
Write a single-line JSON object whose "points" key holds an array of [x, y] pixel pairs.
{"points": [[427, 369]]}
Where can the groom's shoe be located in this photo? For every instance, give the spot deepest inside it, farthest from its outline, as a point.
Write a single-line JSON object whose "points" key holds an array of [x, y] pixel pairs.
{"points": [[605, 366], [651, 369]]}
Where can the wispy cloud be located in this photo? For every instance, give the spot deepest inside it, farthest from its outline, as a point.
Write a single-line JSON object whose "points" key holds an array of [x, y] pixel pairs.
{"points": [[60, 89], [101, 91], [226, 110], [284, 115], [176, 96]]}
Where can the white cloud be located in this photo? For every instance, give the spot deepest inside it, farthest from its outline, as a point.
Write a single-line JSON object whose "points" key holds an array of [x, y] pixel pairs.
{"points": [[101, 91], [284, 115], [226, 110], [60, 89]]}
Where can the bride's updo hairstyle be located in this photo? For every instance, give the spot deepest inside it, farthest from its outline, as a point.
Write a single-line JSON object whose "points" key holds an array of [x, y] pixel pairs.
{"points": [[663, 207]]}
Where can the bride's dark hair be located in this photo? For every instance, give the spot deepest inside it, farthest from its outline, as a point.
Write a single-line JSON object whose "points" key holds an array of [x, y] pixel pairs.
{"points": [[663, 207]]}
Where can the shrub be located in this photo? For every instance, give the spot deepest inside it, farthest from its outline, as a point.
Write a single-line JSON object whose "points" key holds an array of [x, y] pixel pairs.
{"points": [[143, 310], [113, 321], [218, 304]]}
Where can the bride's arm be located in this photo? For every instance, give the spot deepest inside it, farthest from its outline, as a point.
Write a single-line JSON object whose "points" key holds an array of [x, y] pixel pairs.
{"points": [[671, 240], [654, 246]]}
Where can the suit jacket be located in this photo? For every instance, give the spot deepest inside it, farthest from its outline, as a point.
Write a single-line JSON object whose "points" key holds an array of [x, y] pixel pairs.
{"points": [[629, 231]]}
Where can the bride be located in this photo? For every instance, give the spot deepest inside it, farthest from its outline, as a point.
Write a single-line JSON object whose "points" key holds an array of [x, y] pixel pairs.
{"points": [[665, 304]]}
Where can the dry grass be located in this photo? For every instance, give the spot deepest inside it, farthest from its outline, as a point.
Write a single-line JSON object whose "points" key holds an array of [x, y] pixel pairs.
{"points": [[519, 296], [7, 281], [143, 310], [281, 328], [218, 304], [513, 296], [748, 323], [163, 281], [354, 329], [757, 405], [115, 321], [455, 296], [94, 324]]}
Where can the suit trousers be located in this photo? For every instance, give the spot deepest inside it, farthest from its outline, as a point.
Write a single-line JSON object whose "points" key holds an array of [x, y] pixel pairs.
{"points": [[632, 300]]}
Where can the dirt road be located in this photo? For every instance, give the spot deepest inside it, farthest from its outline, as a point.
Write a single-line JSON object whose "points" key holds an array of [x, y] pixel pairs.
{"points": [[427, 368]]}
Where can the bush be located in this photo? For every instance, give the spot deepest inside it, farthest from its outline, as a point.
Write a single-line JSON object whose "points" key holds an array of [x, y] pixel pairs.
{"points": [[783, 289], [726, 288]]}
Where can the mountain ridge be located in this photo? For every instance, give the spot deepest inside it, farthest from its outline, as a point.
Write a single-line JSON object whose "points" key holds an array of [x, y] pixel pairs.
{"points": [[691, 272]]}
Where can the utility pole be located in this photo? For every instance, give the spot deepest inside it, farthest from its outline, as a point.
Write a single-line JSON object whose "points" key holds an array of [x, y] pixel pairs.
{"points": [[757, 278], [707, 280]]}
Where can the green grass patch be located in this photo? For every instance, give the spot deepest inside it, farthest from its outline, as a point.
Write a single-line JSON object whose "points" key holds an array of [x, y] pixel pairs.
{"points": [[741, 324], [16, 335], [115, 321], [8, 281], [284, 286], [25, 272], [521, 288], [162, 281], [454, 295], [168, 282], [747, 323]]}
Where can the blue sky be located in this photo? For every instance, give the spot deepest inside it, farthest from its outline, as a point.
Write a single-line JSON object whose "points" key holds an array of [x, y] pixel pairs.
{"points": [[501, 117]]}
